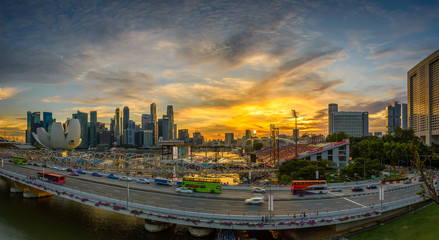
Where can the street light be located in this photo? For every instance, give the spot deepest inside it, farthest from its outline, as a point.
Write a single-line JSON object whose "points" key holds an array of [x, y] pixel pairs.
{"points": [[295, 117]]}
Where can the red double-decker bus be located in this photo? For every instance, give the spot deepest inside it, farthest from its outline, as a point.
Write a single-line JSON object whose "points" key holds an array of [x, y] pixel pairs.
{"points": [[309, 187], [51, 177]]}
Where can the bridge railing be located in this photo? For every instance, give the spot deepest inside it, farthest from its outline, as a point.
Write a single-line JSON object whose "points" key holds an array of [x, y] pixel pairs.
{"points": [[214, 220]]}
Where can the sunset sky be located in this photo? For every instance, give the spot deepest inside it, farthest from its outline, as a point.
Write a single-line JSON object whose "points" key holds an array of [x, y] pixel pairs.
{"points": [[226, 66]]}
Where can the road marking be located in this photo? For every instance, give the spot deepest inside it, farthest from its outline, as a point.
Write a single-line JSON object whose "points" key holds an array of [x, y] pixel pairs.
{"points": [[354, 202]]}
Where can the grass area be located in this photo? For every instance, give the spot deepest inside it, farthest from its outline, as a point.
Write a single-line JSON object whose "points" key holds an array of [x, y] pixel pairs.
{"points": [[422, 225]]}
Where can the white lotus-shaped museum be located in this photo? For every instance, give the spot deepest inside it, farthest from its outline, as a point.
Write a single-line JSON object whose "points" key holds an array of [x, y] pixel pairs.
{"points": [[59, 138]]}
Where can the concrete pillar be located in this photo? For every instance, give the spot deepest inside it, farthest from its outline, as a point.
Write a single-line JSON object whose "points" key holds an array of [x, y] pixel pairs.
{"points": [[155, 226], [17, 190], [200, 232]]}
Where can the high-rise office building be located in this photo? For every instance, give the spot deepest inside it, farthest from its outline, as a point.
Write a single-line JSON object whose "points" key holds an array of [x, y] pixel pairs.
{"points": [[183, 135], [125, 119], [228, 139], [118, 127], [404, 116], [93, 128], [153, 113], [198, 139], [35, 123], [395, 116], [146, 119], [126, 116], [148, 137], [29, 127], [163, 126], [130, 132], [170, 114], [47, 120], [423, 98], [175, 132], [355, 124], [112, 123], [332, 107], [83, 121]]}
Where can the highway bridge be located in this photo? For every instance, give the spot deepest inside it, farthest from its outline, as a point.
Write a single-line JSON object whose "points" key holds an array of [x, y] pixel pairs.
{"points": [[162, 206]]}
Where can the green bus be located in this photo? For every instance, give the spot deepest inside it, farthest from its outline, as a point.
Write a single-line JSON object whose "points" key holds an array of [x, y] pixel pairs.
{"points": [[198, 184], [19, 160]]}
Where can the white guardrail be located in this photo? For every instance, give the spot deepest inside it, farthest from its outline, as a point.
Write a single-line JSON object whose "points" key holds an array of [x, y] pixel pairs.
{"points": [[211, 220]]}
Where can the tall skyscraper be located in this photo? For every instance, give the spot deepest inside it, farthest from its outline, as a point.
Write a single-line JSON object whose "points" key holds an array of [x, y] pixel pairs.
{"points": [[404, 116], [29, 127], [164, 128], [112, 124], [35, 123], [146, 119], [154, 119], [423, 98], [83, 120], [332, 107], [47, 120], [126, 116], [125, 119], [170, 114], [395, 116], [228, 139], [118, 127], [93, 128], [355, 124]]}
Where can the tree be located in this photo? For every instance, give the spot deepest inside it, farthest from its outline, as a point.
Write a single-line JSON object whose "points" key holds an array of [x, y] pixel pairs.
{"points": [[429, 186], [336, 137]]}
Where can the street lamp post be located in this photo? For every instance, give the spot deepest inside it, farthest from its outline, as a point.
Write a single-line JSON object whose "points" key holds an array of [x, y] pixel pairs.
{"points": [[295, 117]]}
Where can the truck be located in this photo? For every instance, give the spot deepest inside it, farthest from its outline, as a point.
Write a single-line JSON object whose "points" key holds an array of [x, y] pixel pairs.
{"points": [[162, 181]]}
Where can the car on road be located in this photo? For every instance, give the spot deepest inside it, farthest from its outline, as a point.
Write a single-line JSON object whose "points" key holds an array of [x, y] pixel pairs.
{"points": [[112, 176], [80, 172], [74, 173], [125, 178], [254, 200], [357, 189], [407, 182], [258, 190], [371, 187], [142, 180], [69, 170], [335, 189], [96, 174], [183, 190]]}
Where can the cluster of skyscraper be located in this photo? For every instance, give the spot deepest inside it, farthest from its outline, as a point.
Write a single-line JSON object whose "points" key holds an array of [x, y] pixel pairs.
{"points": [[34, 122], [123, 131]]}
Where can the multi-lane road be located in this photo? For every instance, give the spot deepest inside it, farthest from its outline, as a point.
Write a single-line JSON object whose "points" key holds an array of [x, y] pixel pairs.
{"points": [[228, 202]]}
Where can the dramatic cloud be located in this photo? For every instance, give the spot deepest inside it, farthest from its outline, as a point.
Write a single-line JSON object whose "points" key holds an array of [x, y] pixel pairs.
{"points": [[225, 66], [8, 92]]}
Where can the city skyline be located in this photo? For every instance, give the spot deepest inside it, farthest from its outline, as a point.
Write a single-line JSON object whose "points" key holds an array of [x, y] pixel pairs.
{"points": [[224, 66]]}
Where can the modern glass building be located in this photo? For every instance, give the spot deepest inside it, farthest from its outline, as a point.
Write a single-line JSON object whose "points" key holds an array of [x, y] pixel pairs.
{"points": [[396, 114], [355, 124], [118, 127], [83, 121], [93, 128], [153, 113], [423, 98]]}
